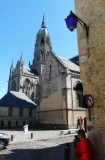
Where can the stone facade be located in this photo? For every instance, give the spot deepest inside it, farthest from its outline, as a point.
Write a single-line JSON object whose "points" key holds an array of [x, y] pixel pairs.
{"points": [[21, 79], [93, 69], [15, 120], [59, 106]]}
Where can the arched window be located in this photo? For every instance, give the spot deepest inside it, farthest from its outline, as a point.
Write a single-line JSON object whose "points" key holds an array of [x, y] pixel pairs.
{"points": [[47, 53], [79, 94], [13, 86], [27, 87]]}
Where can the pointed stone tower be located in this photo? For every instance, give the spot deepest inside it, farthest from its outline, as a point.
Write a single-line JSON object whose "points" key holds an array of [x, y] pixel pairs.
{"points": [[22, 80], [15, 75], [25, 79], [42, 49]]}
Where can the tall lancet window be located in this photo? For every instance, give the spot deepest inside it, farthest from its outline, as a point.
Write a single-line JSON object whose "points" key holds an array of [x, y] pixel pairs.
{"points": [[50, 70], [42, 56], [26, 87], [13, 86], [79, 94]]}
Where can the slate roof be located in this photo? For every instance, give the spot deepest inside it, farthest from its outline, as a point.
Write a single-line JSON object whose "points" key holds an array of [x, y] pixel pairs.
{"points": [[16, 99], [27, 70], [75, 59], [68, 64]]}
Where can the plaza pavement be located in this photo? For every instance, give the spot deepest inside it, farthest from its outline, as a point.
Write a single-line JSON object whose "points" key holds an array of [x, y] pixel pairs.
{"points": [[36, 145]]}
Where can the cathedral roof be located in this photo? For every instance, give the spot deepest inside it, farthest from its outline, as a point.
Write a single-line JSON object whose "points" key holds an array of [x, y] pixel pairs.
{"points": [[68, 64], [75, 59], [16, 99], [27, 70]]}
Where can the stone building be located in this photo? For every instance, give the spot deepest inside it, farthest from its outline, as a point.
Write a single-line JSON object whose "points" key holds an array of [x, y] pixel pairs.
{"points": [[52, 82], [93, 49], [17, 110], [61, 93]]}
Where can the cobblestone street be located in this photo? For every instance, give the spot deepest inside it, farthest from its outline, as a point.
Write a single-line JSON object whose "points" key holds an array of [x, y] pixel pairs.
{"points": [[44, 145]]}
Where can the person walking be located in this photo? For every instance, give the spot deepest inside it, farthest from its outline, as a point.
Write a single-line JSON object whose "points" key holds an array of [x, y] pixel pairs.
{"points": [[85, 126], [84, 149], [95, 137], [78, 123], [81, 122]]}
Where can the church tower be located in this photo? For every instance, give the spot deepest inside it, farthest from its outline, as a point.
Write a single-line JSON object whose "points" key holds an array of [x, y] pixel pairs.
{"points": [[25, 79], [42, 49]]}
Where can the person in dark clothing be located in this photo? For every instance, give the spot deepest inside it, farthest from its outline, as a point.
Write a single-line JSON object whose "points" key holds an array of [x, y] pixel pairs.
{"points": [[78, 123], [81, 122]]}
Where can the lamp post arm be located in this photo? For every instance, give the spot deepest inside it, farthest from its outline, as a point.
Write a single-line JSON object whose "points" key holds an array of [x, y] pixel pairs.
{"points": [[82, 23]]}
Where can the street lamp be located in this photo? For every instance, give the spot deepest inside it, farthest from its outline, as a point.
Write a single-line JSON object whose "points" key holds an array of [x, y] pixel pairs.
{"points": [[72, 20]]}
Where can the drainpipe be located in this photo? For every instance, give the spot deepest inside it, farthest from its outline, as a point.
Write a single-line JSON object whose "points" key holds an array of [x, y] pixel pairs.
{"points": [[72, 98], [66, 98], [66, 103]]}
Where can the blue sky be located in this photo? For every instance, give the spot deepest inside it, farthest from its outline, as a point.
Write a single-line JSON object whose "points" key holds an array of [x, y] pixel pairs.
{"points": [[20, 21]]}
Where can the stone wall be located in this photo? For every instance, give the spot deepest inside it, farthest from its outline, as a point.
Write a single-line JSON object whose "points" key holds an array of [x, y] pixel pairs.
{"points": [[15, 120], [93, 48], [52, 109], [58, 99]]}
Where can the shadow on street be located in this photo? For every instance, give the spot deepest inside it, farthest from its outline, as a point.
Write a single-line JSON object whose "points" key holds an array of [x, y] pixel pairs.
{"points": [[52, 153]]}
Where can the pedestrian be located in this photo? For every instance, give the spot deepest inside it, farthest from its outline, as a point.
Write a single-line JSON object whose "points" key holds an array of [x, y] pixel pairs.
{"points": [[95, 136], [84, 149], [81, 122], [78, 122], [85, 126]]}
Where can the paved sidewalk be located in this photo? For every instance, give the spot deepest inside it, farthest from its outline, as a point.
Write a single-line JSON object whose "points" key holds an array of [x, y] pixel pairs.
{"points": [[20, 135], [44, 145]]}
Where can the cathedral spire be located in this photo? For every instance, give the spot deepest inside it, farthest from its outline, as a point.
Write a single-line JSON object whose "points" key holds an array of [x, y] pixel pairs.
{"points": [[12, 64], [42, 49], [11, 69], [43, 22], [21, 58]]}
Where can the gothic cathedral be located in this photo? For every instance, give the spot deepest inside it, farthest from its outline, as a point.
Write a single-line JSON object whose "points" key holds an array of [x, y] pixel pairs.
{"points": [[25, 79], [52, 82]]}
